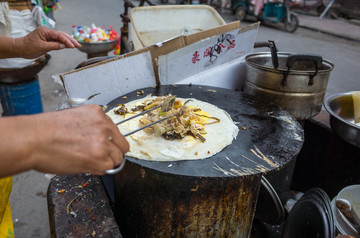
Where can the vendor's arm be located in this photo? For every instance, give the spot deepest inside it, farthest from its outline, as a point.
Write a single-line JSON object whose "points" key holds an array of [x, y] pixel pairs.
{"points": [[63, 142], [36, 43]]}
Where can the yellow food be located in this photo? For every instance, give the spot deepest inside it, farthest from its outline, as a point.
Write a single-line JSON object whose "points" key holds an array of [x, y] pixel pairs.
{"points": [[356, 102]]}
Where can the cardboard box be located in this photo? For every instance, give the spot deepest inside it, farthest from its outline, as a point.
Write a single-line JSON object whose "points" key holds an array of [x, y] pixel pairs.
{"points": [[152, 24], [213, 57]]}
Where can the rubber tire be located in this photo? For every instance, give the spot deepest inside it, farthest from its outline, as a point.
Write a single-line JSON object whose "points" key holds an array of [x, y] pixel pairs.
{"points": [[292, 25]]}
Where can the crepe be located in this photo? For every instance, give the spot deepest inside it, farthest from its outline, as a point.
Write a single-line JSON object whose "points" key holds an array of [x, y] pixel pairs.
{"points": [[154, 147]]}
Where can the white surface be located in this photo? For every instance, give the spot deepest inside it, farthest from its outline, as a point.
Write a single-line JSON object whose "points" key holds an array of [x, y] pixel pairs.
{"points": [[202, 64], [153, 24], [110, 80], [229, 76]]}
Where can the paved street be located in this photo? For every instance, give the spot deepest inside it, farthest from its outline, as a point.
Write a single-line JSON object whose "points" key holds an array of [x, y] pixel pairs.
{"points": [[28, 198]]}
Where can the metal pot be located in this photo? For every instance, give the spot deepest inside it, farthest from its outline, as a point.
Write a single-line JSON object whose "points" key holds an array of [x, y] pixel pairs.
{"points": [[297, 84], [341, 109]]}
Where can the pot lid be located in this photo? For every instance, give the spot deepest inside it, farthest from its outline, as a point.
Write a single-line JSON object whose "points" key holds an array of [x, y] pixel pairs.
{"points": [[264, 128], [310, 217]]}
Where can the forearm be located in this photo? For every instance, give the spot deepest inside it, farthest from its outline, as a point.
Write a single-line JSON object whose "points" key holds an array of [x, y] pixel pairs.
{"points": [[36, 43], [15, 145], [64, 142], [10, 47]]}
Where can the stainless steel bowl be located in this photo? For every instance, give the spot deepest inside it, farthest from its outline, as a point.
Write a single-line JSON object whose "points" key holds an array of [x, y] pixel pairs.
{"points": [[341, 109], [98, 47]]}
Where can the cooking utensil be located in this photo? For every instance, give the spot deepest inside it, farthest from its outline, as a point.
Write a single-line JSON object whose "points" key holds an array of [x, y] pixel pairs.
{"points": [[351, 218], [189, 197], [297, 85], [340, 223], [341, 109], [165, 107], [352, 194], [347, 223]]}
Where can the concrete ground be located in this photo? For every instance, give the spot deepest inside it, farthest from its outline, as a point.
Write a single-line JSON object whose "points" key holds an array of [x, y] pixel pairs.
{"points": [[28, 198]]}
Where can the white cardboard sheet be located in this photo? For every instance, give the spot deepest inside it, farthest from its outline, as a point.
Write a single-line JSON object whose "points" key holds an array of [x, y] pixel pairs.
{"points": [[215, 61], [229, 75], [107, 81], [205, 55]]}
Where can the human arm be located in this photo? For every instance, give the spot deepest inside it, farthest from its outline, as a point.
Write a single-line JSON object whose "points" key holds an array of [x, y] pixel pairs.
{"points": [[36, 43], [62, 142]]}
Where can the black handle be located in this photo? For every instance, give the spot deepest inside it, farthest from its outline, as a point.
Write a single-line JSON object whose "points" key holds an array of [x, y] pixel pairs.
{"points": [[274, 56], [273, 50], [290, 61]]}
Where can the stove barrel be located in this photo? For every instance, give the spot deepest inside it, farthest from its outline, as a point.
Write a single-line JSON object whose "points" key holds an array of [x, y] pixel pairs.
{"points": [[212, 197], [150, 203]]}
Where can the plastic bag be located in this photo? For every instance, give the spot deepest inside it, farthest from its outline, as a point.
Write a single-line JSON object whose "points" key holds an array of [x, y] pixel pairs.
{"points": [[41, 19]]}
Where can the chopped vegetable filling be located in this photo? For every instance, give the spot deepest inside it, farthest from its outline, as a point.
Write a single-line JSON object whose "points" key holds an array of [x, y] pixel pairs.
{"points": [[187, 120]]}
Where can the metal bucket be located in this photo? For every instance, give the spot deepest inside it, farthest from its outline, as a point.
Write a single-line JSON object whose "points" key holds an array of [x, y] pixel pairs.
{"points": [[297, 85], [21, 98]]}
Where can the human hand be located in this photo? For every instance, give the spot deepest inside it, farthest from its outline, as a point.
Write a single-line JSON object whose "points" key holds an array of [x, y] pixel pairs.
{"points": [[77, 140], [43, 40]]}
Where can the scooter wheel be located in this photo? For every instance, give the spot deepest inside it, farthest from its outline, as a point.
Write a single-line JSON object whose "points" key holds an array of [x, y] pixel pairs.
{"points": [[240, 13], [292, 25]]}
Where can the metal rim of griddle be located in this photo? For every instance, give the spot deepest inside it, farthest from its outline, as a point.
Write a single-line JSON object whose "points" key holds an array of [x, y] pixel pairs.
{"points": [[262, 126]]}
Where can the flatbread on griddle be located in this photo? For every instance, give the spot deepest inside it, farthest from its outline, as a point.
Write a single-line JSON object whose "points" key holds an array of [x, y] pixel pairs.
{"points": [[154, 147]]}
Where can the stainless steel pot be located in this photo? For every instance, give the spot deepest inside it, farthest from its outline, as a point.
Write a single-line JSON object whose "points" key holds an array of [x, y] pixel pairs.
{"points": [[341, 109], [297, 84]]}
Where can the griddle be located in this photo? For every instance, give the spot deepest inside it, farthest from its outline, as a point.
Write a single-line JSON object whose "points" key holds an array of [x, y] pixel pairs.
{"points": [[262, 125]]}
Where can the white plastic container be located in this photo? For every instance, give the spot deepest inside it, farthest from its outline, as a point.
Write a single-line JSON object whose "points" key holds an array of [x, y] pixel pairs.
{"points": [[153, 24]]}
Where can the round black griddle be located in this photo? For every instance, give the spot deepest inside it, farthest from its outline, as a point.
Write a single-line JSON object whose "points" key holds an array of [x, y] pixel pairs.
{"points": [[262, 126]]}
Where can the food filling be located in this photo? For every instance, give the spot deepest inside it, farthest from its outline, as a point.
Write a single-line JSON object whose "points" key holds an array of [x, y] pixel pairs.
{"points": [[183, 119]]}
